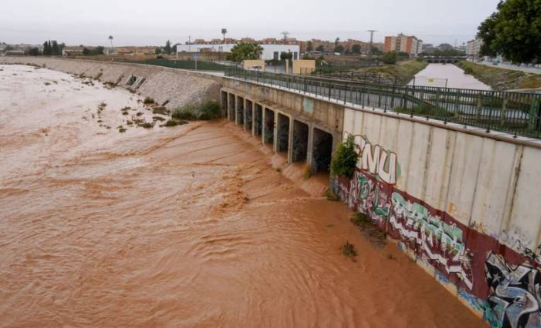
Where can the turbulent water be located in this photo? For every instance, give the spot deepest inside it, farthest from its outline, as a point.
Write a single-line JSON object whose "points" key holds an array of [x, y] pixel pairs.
{"points": [[447, 75], [176, 227]]}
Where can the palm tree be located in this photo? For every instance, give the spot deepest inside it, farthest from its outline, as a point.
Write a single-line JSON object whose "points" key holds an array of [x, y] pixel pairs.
{"points": [[111, 40]]}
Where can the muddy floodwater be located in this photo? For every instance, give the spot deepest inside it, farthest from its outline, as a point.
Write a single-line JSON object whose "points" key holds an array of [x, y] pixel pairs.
{"points": [[447, 75], [177, 227]]}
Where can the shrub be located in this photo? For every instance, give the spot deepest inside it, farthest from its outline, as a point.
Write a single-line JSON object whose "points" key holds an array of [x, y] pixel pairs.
{"points": [[344, 162], [331, 195], [390, 58], [148, 101], [425, 111], [205, 112], [468, 70], [174, 122], [349, 250]]}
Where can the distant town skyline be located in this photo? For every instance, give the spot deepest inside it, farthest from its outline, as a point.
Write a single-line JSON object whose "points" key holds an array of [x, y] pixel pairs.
{"points": [[138, 23]]}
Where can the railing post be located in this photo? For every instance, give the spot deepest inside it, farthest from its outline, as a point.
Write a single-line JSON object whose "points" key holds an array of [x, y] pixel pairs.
{"points": [[479, 108], [534, 113], [503, 114]]}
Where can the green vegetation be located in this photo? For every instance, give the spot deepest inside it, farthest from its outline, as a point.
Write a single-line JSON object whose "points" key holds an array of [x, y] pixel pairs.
{"points": [[181, 64], [286, 56], [369, 228], [332, 196], [209, 110], [424, 110], [403, 71], [349, 250], [174, 122], [148, 101], [94, 52], [513, 31], [344, 162], [390, 58], [245, 51], [160, 110], [52, 48], [501, 79], [356, 49]]}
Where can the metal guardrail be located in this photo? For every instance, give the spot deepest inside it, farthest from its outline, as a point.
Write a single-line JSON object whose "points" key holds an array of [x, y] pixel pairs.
{"points": [[511, 112]]}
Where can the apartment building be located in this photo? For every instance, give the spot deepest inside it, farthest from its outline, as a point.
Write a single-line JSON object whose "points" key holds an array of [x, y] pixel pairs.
{"points": [[403, 43]]}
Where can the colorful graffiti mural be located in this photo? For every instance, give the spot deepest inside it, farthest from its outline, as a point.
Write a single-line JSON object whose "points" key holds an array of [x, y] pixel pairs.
{"points": [[508, 294], [515, 298]]}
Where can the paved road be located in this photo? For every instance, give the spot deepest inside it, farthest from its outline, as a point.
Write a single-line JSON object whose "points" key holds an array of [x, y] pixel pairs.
{"points": [[535, 70]]}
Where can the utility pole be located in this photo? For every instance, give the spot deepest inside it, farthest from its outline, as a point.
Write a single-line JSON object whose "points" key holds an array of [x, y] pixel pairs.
{"points": [[371, 42], [285, 34]]}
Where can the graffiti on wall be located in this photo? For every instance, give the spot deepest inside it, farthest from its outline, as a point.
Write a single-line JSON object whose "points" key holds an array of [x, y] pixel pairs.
{"points": [[507, 295], [439, 243], [376, 161], [515, 298]]}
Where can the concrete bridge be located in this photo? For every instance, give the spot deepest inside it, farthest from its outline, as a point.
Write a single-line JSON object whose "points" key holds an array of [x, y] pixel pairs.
{"points": [[291, 124], [444, 59]]}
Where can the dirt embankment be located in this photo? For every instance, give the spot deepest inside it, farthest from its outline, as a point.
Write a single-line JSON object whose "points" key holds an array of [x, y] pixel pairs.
{"points": [[169, 87], [403, 71], [502, 79]]}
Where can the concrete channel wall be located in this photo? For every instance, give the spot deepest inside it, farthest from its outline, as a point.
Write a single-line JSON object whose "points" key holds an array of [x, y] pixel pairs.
{"points": [[169, 87], [465, 206]]}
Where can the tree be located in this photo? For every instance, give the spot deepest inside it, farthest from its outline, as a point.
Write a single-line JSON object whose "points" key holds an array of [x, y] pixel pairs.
{"points": [[168, 48], [33, 52], [376, 51], [55, 50], [356, 49], [344, 162], [286, 55], [339, 48], [337, 41], [158, 51], [86, 52], [514, 31], [47, 48], [390, 58], [99, 50], [309, 46], [245, 51], [320, 48]]}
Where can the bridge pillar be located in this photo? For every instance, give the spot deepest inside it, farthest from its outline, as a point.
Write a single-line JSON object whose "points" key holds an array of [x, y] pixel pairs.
{"points": [[225, 106], [257, 130], [239, 115], [232, 106], [248, 116]]}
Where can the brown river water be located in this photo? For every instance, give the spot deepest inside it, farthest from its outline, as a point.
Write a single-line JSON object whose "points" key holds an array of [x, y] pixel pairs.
{"points": [[177, 227]]}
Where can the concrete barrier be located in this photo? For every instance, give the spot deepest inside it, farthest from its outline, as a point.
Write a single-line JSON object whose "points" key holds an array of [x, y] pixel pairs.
{"points": [[464, 206], [172, 87]]}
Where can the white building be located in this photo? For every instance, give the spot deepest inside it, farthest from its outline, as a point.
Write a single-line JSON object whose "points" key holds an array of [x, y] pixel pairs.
{"points": [[270, 51], [474, 48]]}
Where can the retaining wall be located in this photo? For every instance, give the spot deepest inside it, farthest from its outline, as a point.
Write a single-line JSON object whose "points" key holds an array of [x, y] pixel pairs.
{"points": [[465, 206], [173, 87]]}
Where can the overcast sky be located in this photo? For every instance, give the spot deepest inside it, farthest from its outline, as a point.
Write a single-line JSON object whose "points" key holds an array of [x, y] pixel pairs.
{"points": [[152, 22]]}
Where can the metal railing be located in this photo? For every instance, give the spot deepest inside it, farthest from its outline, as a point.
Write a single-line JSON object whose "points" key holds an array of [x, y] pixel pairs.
{"points": [[511, 112]]}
